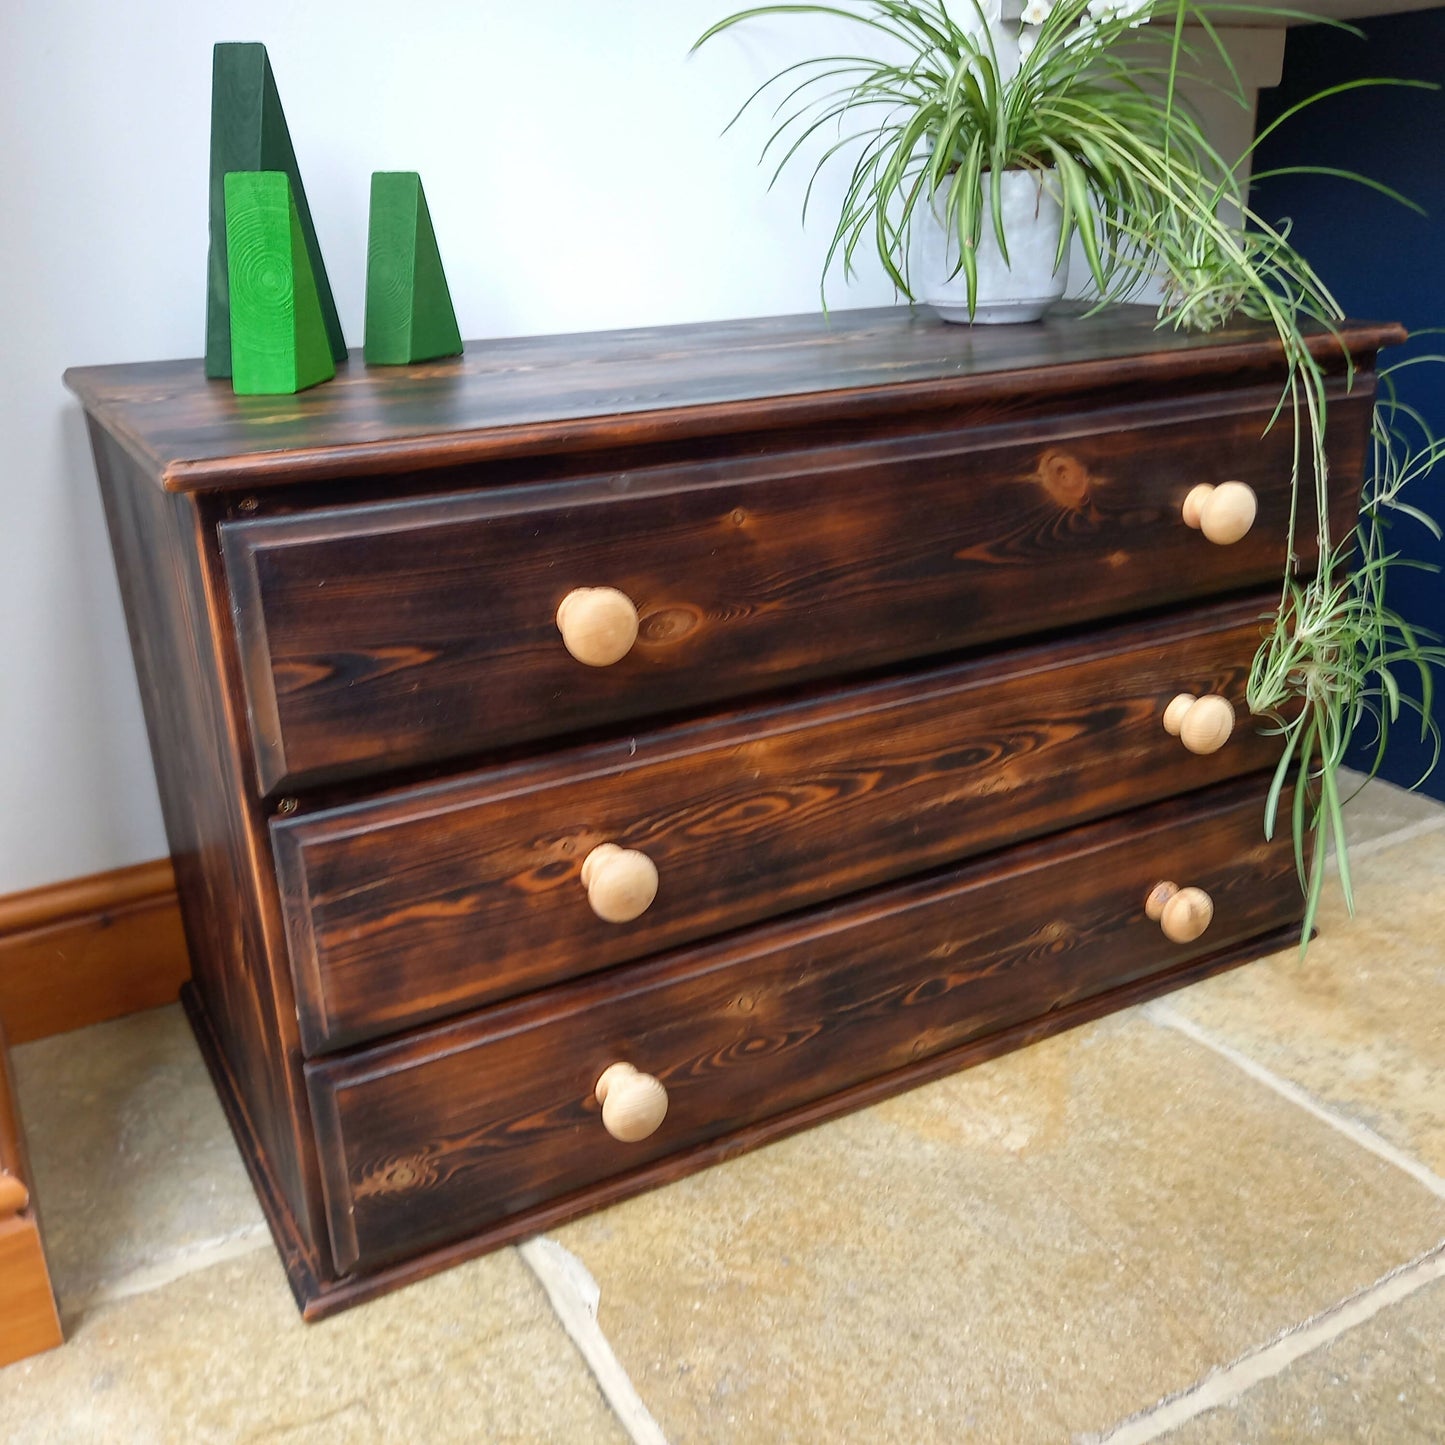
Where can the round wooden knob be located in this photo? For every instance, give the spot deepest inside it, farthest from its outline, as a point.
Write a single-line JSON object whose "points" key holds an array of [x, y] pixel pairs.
{"points": [[13, 1195], [598, 625], [1183, 913], [633, 1104], [1177, 711], [620, 882], [1202, 724], [1224, 513]]}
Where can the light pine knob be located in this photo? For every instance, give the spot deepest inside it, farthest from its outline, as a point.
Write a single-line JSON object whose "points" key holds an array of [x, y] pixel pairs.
{"points": [[633, 1104], [1224, 513], [598, 625], [1176, 712], [13, 1195], [1183, 913], [1202, 724], [620, 882]]}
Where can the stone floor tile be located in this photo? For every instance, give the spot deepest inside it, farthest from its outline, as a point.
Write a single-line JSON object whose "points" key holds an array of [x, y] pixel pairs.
{"points": [[1377, 808], [1359, 1021], [472, 1355], [134, 1162], [1381, 1383], [1037, 1247]]}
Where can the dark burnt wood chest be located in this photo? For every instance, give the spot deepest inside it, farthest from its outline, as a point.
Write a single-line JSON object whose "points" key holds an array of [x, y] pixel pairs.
{"points": [[775, 709]]}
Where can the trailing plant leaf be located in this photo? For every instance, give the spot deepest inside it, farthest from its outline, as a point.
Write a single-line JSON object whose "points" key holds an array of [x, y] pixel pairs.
{"points": [[1099, 100], [1325, 675]]}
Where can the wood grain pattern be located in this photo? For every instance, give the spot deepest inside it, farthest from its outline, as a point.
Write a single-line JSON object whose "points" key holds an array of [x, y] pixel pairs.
{"points": [[163, 546], [307, 1273], [97, 966], [319, 1296], [88, 949], [657, 386], [29, 1320], [888, 546], [73, 898], [437, 899], [400, 634], [249, 133], [455, 1129], [409, 314], [278, 335]]}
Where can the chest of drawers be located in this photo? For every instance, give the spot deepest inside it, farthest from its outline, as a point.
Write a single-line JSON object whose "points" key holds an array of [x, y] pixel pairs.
{"points": [[592, 756]]}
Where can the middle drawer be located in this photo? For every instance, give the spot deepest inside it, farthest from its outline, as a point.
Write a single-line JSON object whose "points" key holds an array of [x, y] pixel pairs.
{"points": [[429, 901]]}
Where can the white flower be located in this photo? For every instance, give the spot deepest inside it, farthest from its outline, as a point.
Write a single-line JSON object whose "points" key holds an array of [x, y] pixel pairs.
{"points": [[1134, 11], [1027, 40], [1035, 12]]}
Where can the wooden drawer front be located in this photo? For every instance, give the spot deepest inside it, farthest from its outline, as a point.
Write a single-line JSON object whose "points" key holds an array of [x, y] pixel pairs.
{"points": [[396, 634], [438, 899], [462, 1126]]}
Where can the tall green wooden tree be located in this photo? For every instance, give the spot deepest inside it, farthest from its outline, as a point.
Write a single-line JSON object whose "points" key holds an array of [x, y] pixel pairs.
{"points": [[249, 133]]}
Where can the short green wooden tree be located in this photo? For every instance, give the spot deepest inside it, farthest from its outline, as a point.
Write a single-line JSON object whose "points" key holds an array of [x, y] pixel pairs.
{"points": [[409, 315]]}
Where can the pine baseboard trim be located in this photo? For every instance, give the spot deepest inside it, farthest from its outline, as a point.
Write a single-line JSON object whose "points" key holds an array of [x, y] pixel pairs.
{"points": [[90, 949]]}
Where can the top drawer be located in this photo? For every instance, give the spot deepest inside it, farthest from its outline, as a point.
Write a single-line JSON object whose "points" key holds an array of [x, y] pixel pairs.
{"points": [[401, 633]]}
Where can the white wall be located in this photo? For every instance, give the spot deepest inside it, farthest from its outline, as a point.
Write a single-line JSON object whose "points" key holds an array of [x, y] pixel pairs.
{"points": [[571, 155]]}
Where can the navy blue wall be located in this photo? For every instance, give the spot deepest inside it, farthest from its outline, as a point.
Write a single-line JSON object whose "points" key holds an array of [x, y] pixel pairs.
{"points": [[1381, 261]]}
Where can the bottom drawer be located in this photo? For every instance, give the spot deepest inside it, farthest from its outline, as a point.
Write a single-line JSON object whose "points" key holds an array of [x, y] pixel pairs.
{"points": [[461, 1127]]}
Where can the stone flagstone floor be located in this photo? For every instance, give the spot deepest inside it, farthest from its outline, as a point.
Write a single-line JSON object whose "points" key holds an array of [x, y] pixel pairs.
{"points": [[1217, 1218]]}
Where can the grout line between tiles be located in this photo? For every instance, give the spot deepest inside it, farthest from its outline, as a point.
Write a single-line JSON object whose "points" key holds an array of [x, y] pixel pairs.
{"points": [[1164, 1016], [167, 1271], [574, 1297], [1225, 1385]]}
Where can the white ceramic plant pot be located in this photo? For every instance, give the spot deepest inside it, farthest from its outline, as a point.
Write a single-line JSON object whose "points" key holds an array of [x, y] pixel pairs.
{"points": [[1019, 289]]}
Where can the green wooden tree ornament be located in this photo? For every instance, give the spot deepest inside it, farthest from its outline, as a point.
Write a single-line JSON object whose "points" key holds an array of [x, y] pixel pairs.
{"points": [[278, 331], [409, 315], [248, 133]]}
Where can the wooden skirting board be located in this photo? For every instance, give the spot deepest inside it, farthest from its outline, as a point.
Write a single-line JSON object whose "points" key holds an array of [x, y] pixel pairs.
{"points": [[90, 949]]}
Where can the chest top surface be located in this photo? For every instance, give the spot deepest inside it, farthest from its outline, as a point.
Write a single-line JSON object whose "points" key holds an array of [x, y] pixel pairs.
{"points": [[645, 386]]}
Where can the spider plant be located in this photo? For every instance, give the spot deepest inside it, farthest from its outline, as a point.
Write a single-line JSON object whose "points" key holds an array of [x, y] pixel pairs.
{"points": [[1096, 101], [941, 108], [1327, 670]]}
